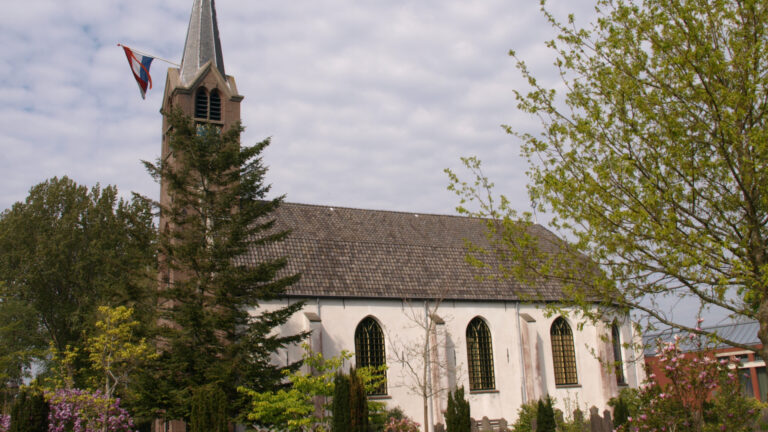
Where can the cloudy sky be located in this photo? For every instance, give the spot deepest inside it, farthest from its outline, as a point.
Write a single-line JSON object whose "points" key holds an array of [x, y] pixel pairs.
{"points": [[366, 101]]}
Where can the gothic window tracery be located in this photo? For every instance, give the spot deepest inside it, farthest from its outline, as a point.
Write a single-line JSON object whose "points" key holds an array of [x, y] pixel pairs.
{"points": [[563, 353], [480, 356], [369, 348]]}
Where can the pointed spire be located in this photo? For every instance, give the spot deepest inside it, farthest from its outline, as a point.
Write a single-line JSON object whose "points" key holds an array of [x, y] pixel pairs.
{"points": [[202, 43]]}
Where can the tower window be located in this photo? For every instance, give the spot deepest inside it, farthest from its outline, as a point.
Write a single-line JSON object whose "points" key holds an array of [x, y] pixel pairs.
{"points": [[619, 365], [201, 103], [563, 353], [215, 108], [480, 356], [369, 348]]}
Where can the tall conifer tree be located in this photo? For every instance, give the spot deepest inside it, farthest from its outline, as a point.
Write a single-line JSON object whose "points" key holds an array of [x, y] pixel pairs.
{"points": [[218, 212]]}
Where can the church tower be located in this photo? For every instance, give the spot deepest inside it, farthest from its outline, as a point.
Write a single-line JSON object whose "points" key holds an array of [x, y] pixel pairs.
{"points": [[199, 88]]}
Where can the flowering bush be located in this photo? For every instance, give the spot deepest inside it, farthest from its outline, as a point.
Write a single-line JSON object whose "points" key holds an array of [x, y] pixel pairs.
{"points": [[5, 423], [703, 394], [401, 425], [74, 410]]}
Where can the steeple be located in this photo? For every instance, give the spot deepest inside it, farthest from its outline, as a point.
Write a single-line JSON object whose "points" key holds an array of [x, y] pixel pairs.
{"points": [[202, 43]]}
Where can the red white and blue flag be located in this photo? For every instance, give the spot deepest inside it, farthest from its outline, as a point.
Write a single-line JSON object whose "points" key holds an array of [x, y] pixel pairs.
{"points": [[140, 67]]}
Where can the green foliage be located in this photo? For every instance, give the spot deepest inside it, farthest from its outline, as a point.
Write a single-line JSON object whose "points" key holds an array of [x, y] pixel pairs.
{"points": [[702, 394], [29, 412], [653, 161], [624, 406], [209, 410], [525, 415], [218, 214], [82, 247], [342, 415], [545, 416], [295, 409], [457, 415], [358, 403]]}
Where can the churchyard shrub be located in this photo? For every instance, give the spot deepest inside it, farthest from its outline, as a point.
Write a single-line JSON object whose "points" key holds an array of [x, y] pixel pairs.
{"points": [[29, 412], [401, 425], [457, 416], [703, 394], [358, 403], [209, 410], [545, 416], [74, 410], [5, 422]]}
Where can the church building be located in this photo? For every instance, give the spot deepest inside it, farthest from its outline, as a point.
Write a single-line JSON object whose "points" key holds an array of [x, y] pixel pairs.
{"points": [[385, 284]]}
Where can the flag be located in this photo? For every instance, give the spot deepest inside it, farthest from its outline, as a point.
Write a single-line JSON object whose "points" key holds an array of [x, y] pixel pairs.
{"points": [[140, 67]]}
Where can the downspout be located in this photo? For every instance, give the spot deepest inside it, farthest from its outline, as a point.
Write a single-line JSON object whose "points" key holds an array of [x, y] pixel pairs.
{"points": [[428, 359], [520, 346]]}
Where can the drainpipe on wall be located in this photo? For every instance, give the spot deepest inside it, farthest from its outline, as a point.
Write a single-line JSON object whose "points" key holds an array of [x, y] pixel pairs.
{"points": [[428, 360], [520, 345]]}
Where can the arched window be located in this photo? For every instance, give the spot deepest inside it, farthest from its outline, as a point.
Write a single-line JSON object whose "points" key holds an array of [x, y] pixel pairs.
{"points": [[619, 365], [480, 356], [201, 103], [215, 108], [369, 348], [563, 353]]}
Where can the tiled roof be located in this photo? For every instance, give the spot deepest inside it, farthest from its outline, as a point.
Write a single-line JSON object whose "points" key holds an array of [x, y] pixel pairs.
{"points": [[739, 332], [344, 252]]}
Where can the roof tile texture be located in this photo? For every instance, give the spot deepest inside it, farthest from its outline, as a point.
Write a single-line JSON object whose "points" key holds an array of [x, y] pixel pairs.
{"points": [[344, 252]]}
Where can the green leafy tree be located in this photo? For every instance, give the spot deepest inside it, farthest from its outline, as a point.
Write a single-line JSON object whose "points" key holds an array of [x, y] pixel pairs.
{"points": [[218, 214], [29, 412], [653, 161], [303, 405], [82, 247], [114, 350], [209, 410], [457, 415]]}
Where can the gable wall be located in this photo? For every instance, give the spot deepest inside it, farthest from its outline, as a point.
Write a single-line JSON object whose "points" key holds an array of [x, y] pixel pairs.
{"points": [[340, 317]]}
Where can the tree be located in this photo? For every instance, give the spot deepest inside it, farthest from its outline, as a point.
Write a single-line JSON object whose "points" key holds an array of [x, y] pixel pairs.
{"points": [[113, 349], [422, 366], [209, 410], [545, 416], [82, 247], [29, 412], [342, 415], [457, 415], [358, 403], [653, 163], [217, 216]]}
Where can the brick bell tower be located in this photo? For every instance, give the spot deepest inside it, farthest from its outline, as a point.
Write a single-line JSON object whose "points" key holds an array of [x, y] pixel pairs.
{"points": [[199, 87]]}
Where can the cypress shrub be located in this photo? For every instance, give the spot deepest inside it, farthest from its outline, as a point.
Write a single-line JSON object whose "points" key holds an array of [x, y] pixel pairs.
{"points": [[457, 415], [340, 406], [29, 412], [545, 416], [209, 410], [620, 412], [358, 403]]}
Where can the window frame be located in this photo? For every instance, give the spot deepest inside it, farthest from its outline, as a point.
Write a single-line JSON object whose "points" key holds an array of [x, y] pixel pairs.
{"points": [[563, 353], [480, 366], [370, 349]]}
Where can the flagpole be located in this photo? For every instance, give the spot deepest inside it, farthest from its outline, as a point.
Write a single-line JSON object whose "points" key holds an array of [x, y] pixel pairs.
{"points": [[150, 55]]}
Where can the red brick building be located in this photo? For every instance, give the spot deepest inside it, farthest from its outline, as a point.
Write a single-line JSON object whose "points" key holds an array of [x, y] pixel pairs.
{"points": [[752, 372]]}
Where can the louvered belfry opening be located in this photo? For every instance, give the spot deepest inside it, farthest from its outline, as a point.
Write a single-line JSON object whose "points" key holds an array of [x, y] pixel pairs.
{"points": [[215, 106], [480, 356], [369, 348], [563, 353], [201, 104]]}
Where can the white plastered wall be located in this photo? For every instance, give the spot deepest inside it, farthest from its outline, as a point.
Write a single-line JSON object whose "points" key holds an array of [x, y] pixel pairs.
{"points": [[333, 323]]}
